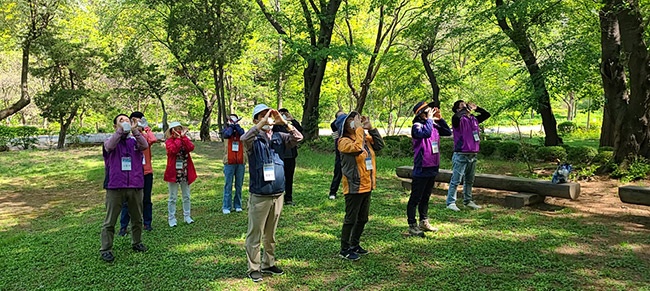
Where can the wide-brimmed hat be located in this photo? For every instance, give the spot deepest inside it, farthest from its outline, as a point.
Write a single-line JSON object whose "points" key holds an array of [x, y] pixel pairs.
{"points": [[259, 108], [174, 124], [342, 120]]}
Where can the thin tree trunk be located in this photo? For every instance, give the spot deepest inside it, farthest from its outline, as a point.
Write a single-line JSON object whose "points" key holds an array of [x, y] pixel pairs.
{"points": [[65, 125], [433, 81], [280, 80], [24, 92], [164, 112]]}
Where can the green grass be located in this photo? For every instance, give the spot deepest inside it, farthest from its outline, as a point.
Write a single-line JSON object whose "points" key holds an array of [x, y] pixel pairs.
{"points": [[52, 209]]}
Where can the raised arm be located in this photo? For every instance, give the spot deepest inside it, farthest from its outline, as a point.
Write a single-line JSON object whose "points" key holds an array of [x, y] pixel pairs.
{"points": [[141, 142], [149, 136], [249, 137], [483, 116], [187, 143], [420, 130], [442, 127], [228, 131], [377, 141], [173, 146], [111, 143], [349, 146], [292, 138]]}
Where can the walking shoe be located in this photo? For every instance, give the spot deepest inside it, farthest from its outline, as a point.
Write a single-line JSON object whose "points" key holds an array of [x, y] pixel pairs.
{"points": [[426, 226], [472, 205], [256, 276], [414, 230], [172, 222], [359, 250], [108, 257], [289, 203], [332, 197], [122, 232], [453, 207], [226, 211], [139, 247], [273, 270], [238, 210], [349, 254], [148, 227], [189, 220]]}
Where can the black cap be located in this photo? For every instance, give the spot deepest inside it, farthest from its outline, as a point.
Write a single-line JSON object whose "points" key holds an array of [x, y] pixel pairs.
{"points": [[456, 105], [136, 114]]}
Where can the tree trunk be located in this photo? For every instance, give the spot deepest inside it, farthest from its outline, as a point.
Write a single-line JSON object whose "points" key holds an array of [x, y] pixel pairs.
{"points": [[435, 88], [612, 73], [205, 120], [280, 80], [635, 130], [24, 93], [65, 124], [164, 111]]}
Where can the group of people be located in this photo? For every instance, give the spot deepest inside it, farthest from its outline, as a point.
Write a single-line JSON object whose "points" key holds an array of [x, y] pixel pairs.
{"points": [[270, 149]]}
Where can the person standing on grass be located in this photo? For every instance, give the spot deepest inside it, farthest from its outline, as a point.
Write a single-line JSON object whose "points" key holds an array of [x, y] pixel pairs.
{"points": [[288, 155], [180, 170], [466, 147], [358, 165], [233, 164], [123, 181], [266, 187], [147, 206], [428, 126], [336, 180]]}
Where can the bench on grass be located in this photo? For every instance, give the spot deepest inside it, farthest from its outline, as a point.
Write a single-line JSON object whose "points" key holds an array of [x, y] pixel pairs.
{"points": [[530, 191], [634, 195]]}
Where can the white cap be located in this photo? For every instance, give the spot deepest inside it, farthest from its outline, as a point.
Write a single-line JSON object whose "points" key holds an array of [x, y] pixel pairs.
{"points": [[259, 108], [174, 124]]}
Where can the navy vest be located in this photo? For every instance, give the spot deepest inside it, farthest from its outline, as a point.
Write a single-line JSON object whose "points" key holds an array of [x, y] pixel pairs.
{"points": [[265, 153]]}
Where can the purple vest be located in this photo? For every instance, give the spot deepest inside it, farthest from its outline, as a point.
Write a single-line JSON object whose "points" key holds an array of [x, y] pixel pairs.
{"points": [[466, 135], [423, 148], [116, 178]]}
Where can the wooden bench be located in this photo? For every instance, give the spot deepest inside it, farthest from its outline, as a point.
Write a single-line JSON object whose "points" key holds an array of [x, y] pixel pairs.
{"points": [[634, 195], [530, 191]]}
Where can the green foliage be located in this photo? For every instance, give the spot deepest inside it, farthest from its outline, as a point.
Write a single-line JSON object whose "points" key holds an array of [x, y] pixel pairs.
{"points": [[552, 153], [639, 168], [567, 127], [603, 157], [6, 135], [397, 146], [509, 150], [323, 144], [446, 148], [24, 137], [581, 154], [605, 149], [488, 147]]}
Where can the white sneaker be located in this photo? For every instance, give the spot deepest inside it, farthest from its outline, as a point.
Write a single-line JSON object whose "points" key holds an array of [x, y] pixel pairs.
{"points": [[472, 205], [172, 222], [332, 197], [226, 211], [453, 207], [239, 209], [189, 220]]}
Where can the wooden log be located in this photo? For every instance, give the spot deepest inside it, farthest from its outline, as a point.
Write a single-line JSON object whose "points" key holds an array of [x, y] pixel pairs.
{"points": [[519, 200], [509, 183], [634, 195]]}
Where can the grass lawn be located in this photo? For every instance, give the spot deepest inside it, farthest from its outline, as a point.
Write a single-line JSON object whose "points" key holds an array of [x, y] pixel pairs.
{"points": [[52, 207]]}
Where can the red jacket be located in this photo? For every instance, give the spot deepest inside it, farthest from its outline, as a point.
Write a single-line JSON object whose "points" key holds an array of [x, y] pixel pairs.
{"points": [[173, 146]]}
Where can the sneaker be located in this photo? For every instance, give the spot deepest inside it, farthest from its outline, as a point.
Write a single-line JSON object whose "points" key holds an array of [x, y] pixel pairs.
{"points": [[172, 222], [108, 257], [273, 270], [289, 203], [140, 248], [226, 211], [414, 230], [189, 220], [238, 210], [426, 226], [256, 276], [472, 205], [453, 207], [332, 197], [349, 254], [122, 232], [148, 227], [359, 250]]}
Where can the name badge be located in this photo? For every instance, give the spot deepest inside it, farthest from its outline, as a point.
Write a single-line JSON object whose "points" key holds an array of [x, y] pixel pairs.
{"points": [[179, 164], [235, 146], [269, 172], [144, 162], [368, 163], [126, 164], [434, 147], [476, 138]]}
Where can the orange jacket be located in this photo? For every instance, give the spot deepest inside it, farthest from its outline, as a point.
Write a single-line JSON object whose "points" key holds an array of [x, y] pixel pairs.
{"points": [[357, 178], [151, 139]]}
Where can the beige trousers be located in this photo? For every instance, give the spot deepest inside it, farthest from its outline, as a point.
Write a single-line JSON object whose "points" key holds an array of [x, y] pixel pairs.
{"points": [[263, 216]]}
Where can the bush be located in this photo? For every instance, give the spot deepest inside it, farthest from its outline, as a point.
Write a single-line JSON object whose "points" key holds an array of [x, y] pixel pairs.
{"points": [[603, 158], [26, 137], [509, 150], [552, 153], [567, 127], [488, 147], [397, 146], [581, 154], [446, 148], [6, 135], [322, 144], [638, 169], [528, 152]]}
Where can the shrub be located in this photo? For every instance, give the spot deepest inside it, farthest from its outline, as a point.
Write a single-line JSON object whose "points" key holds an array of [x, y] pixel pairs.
{"points": [[581, 154], [446, 148], [603, 158], [6, 135], [509, 150], [528, 152], [488, 147], [552, 153], [566, 127], [397, 146], [25, 137], [638, 169], [322, 144]]}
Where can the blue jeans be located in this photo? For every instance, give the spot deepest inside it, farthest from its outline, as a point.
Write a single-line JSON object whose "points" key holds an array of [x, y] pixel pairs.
{"points": [[229, 171], [463, 165]]}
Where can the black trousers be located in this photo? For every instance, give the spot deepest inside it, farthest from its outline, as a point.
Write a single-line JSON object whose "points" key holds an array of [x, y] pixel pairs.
{"points": [[420, 193], [338, 175], [357, 208], [289, 171]]}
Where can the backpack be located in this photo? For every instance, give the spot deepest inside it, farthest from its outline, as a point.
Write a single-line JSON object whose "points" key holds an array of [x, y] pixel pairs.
{"points": [[561, 174]]}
